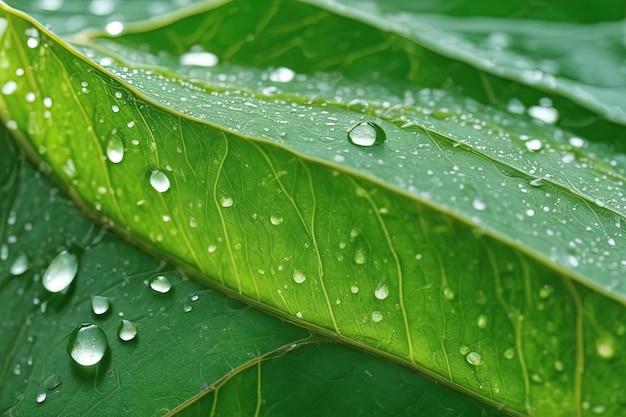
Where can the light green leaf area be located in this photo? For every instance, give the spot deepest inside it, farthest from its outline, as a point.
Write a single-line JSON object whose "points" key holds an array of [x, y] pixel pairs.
{"points": [[193, 344], [476, 245]]}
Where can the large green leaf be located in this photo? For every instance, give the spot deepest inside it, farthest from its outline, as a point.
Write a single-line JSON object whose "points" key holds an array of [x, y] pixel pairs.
{"points": [[477, 245], [192, 342]]}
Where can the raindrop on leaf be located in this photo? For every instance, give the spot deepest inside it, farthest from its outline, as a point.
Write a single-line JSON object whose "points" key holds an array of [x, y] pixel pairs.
{"points": [[366, 134], [61, 272], [87, 344]]}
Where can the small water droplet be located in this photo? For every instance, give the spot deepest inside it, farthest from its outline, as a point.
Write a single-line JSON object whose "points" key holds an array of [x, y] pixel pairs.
{"points": [[126, 331], [545, 114], [474, 358], [282, 75], [41, 396], [545, 291], [382, 291], [534, 145], [573, 261], [227, 202], [87, 344], [482, 321], [479, 204], [464, 350], [276, 220], [160, 283], [187, 308], [115, 150], [61, 272], [509, 353], [298, 277], [605, 346], [198, 57], [100, 305], [359, 256], [19, 265], [9, 88], [114, 28], [159, 181], [354, 289], [448, 293], [377, 316], [576, 142], [366, 134]]}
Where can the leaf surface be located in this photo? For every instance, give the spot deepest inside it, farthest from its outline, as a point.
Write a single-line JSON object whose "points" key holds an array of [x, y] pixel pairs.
{"points": [[494, 267]]}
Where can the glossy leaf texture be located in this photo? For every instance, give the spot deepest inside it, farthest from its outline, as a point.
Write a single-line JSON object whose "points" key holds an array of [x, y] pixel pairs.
{"points": [[479, 243], [190, 342]]}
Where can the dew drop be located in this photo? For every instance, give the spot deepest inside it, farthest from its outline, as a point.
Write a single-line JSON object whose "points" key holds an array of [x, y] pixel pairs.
{"points": [[282, 75], [159, 181], [474, 358], [275, 220], [126, 331], [478, 204], [61, 272], [448, 293], [41, 396], [377, 316], [227, 202], [359, 256], [382, 291], [19, 265], [87, 344], [509, 353], [160, 284], [534, 145], [115, 151], [354, 289], [298, 277], [366, 134], [605, 346], [100, 305]]}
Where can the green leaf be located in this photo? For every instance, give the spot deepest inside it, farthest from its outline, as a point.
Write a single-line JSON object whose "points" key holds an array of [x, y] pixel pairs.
{"points": [[192, 342], [476, 245]]}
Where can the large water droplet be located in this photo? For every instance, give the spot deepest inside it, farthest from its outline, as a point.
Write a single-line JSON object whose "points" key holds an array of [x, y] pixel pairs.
{"points": [[87, 344], [115, 150], [19, 265], [382, 291], [474, 358], [100, 305], [298, 277], [366, 134], [127, 331], [61, 272], [160, 283], [159, 181]]}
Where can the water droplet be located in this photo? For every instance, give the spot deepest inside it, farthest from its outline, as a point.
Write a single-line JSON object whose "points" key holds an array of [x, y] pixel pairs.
{"points": [[282, 75], [9, 88], [227, 202], [61, 272], [573, 261], [87, 344], [41, 396], [474, 358], [382, 291], [448, 293], [545, 291], [479, 204], [366, 134], [19, 265], [100, 305], [359, 256], [187, 308], [576, 142], [464, 350], [534, 145], [545, 114], [298, 277], [377, 316], [198, 57], [482, 321], [160, 283], [509, 353], [127, 331], [276, 220], [159, 181], [114, 28], [605, 346], [354, 289], [558, 365], [115, 150]]}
